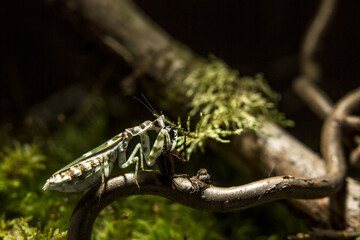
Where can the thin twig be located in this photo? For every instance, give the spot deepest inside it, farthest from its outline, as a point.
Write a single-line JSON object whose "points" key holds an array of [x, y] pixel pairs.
{"points": [[354, 158], [313, 40], [352, 122], [310, 70], [316, 99], [325, 234]]}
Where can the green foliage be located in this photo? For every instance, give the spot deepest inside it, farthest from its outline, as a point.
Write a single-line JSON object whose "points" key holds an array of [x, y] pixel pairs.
{"points": [[19, 228], [19, 192], [228, 104], [22, 176], [19, 165], [19, 169], [151, 217]]}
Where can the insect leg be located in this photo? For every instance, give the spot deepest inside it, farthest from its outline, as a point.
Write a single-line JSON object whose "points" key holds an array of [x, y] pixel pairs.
{"points": [[158, 147], [105, 168], [121, 157], [145, 147], [185, 150], [141, 161], [122, 150], [132, 159]]}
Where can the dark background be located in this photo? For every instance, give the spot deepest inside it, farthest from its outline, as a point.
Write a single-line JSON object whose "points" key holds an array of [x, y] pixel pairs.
{"points": [[45, 50]]}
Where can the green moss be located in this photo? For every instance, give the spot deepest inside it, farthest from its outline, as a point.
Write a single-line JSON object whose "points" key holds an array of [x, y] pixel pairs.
{"points": [[152, 217], [19, 164], [30, 211], [19, 228], [228, 104]]}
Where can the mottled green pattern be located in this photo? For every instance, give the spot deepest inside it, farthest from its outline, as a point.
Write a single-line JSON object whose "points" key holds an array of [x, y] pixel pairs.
{"points": [[97, 164], [99, 149]]}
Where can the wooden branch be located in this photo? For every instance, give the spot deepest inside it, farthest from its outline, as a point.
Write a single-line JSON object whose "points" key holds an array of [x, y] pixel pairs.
{"points": [[313, 96], [188, 192], [130, 33], [313, 39], [288, 155], [310, 71]]}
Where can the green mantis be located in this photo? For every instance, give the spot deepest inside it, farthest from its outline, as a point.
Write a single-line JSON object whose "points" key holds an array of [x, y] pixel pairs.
{"points": [[97, 164]]}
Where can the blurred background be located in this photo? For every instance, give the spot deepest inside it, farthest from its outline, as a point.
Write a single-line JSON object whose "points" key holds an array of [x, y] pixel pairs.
{"points": [[62, 93]]}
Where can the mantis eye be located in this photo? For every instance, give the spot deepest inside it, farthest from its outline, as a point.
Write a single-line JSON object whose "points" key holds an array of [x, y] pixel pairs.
{"points": [[158, 123]]}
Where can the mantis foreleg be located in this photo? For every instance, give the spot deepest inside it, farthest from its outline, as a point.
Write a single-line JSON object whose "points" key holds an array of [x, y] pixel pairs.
{"points": [[132, 159], [162, 138], [145, 146]]}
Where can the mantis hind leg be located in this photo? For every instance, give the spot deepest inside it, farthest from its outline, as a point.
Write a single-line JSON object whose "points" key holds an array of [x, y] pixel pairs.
{"points": [[105, 168], [121, 158], [105, 172]]}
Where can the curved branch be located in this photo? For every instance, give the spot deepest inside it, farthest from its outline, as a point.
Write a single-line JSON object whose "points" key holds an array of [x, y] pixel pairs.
{"points": [[355, 157], [310, 70], [284, 154], [313, 39], [331, 138], [352, 122], [185, 191], [333, 152], [315, 98]]}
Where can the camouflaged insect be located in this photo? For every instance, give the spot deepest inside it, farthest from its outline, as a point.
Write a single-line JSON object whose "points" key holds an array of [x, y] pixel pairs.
{"points": [[97, 164]]}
